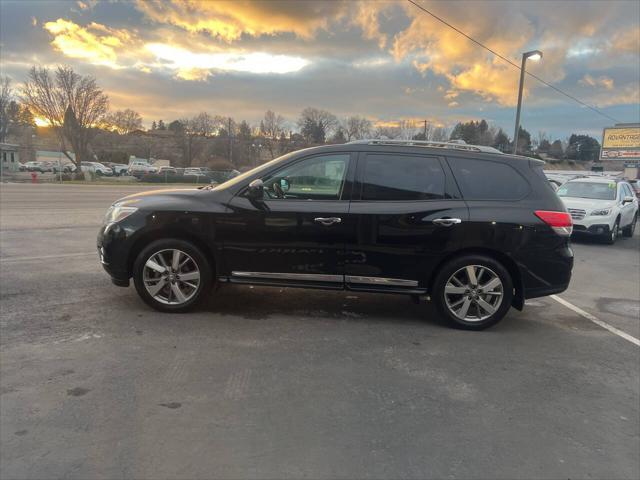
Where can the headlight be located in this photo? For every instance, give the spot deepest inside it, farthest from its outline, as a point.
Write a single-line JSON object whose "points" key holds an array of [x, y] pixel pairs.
{"points": [[603, 212], [117, 213]]}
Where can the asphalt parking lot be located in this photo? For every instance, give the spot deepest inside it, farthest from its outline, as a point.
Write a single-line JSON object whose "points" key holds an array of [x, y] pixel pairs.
{"points": [[286, 383]]}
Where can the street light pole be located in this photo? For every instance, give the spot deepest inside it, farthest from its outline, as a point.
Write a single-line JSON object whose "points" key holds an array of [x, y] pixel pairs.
{"points": [[533, 55]]}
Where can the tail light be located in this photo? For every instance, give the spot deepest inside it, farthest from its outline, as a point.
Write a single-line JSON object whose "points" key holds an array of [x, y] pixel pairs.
{"points": [[560, 221]]}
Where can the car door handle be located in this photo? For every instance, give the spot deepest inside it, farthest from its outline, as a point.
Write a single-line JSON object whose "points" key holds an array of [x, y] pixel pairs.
{"points": [[447, 222], [326, 221]]}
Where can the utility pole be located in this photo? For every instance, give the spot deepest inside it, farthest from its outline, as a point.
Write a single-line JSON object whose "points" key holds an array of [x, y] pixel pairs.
{"points": [[230, 143], [533, 55], [425, 130]]}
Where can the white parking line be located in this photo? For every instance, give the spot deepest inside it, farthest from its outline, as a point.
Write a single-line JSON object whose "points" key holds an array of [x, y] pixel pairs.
{"points": [[597, 321], [45, 257]]}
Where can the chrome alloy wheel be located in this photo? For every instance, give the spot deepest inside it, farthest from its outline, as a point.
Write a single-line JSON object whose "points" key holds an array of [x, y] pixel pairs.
{"points": [[473, 293], [171, 277]]}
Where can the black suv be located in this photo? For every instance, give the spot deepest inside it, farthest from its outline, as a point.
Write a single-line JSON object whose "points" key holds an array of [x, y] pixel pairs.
{"points": [[473, 230]]}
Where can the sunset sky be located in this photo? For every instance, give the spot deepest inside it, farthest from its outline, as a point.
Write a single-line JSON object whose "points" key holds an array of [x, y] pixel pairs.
{"points": [[383, 60]]}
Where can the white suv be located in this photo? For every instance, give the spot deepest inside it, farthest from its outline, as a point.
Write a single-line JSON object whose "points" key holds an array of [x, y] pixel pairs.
{"points": [[600, 206]]}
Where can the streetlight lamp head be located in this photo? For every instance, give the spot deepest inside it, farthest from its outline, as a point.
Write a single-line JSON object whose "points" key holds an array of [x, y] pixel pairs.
{"points": [[534, 55]]}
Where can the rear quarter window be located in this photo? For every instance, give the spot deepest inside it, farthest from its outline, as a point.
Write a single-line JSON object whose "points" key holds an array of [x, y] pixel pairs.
{"points": [[488, 180]]}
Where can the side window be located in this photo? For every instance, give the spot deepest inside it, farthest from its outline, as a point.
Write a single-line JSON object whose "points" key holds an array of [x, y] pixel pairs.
{"points": [[315, 178], [627, 191], [487, 180], [402, 177]]}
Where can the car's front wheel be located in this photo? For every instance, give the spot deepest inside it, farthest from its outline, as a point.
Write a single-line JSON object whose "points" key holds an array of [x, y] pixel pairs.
{"points": [[611, 237], [629, 229], [473, 292], [172, 275]]}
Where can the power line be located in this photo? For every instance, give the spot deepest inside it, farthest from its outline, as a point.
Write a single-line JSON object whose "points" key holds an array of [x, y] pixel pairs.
{"points": [[512, 63]]}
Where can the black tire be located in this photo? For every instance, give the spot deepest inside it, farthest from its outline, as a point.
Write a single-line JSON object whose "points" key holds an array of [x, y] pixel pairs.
{"points": [[629, 229], [611, 236], [455, 265], [205, 269]]}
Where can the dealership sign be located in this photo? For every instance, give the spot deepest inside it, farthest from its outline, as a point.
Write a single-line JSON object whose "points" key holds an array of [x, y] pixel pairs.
{"points": [[621, 143]]}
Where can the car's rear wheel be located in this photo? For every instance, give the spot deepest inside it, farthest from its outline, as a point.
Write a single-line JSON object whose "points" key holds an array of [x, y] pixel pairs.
{"points": [[629, 229], [611, 237], [172, 275], [473, 292]]}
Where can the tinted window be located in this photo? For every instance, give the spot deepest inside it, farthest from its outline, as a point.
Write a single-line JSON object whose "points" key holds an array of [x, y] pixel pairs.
{"points": [[597, 191], [315, 178], [486, 180], [402, 177]]}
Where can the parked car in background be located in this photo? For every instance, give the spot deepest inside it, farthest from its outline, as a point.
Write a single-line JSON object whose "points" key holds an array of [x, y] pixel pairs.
{"points": [[477, 232], [168, 170], [47, 166], [97, 168], [194, 171], [66, 168], [119, 169], [37, 167], [138, 168], [22, 167], [601, 206]]}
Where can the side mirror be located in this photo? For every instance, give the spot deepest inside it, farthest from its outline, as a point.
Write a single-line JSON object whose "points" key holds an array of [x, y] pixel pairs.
{"points": [[627, 199], [256, 190]]}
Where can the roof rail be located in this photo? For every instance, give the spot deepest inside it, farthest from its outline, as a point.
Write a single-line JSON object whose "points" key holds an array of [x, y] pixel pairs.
{"points": [[426, 143]]}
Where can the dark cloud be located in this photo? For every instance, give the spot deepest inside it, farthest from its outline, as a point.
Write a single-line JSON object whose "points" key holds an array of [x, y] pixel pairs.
{"points": [[383, 60]]}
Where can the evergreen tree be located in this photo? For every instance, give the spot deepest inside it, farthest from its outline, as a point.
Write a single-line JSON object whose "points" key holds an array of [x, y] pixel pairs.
{"points": [[501, 141]]}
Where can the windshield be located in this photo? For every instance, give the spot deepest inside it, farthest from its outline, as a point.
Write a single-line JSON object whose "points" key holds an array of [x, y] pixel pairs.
{"points": [[240, 178], [596, 191]]}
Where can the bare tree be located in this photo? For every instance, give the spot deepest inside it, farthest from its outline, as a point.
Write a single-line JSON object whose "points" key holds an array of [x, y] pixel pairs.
{"points": [[440, 134], [319, 119], [356, 128], [272, 125], [73, 105], [387, 132], [123, 121], [203, 124], [192, 134], [6, 96]]}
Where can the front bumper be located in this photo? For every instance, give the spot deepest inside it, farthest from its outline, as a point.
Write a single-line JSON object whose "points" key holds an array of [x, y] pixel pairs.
{"points": [[595, 229], [113, 245]]}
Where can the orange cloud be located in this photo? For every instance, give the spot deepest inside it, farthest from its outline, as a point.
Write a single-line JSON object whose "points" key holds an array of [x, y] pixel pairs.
{"points": [[627, 41], [229, 20], [432, 46], [96, 43], [603, 81]]}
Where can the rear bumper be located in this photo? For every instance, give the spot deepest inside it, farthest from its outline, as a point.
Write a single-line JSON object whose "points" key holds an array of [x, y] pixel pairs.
{"points": [[544, 291], [546, 272]]}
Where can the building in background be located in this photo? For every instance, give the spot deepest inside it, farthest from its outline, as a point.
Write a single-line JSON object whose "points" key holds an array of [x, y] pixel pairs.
{"points": [[10, 158], [53, 156], [622, 142]]}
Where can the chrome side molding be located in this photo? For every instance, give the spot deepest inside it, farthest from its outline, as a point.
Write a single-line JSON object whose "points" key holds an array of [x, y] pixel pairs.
{"points": [[317, 277], [309, 277], [389, 282]]}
